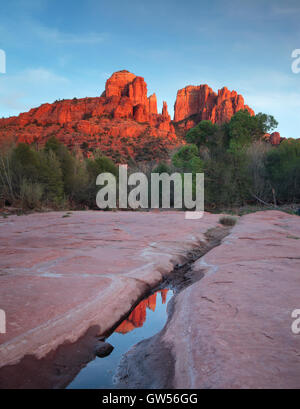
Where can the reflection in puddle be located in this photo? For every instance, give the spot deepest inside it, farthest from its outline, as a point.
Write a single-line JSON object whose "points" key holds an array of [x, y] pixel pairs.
{"points": [[138, 316], [148, 318]]}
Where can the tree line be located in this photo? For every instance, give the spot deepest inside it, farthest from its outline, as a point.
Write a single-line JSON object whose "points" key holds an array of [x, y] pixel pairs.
{"points": [[240, 168]]}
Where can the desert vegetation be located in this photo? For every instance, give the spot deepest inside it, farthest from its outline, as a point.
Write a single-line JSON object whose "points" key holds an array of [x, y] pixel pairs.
{"points": [[52, 177], [240, 167]]}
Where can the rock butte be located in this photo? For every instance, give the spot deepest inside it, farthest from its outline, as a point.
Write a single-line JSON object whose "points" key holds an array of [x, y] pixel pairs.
{"points": [[124, 122], [203, 103]]}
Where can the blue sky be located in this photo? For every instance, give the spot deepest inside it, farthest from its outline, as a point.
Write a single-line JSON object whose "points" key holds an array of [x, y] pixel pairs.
{"points": [[62, 49]]}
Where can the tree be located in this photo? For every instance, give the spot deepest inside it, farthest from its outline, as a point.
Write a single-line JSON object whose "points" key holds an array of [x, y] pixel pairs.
{"points": [[187, 159], [25, 163], [96, 166], [67, 163], [243, 129], [162, 167], [283, 170], [203, 134], [51, 177]]}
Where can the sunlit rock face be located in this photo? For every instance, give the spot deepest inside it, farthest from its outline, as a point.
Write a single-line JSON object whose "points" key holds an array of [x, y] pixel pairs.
{"points": [[203, 103], [152, 101], [122, 122], [274, 138]]}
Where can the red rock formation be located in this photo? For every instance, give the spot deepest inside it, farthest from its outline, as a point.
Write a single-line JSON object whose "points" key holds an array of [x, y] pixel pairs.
{"points": [[138, 316], [152, 104], [275, 138], [117, 84], [165, 113], [163, 294], [204, 104], [123, 122]]}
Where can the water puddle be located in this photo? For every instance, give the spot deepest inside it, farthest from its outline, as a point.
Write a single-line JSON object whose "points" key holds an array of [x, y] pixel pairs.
{"points": [[147, 319]]}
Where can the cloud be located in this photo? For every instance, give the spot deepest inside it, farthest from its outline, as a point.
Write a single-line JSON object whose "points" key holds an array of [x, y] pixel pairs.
{"points": [[37, 85], [42, 75], [280, 101], [12, 101], [56, 36], [285, 10]]}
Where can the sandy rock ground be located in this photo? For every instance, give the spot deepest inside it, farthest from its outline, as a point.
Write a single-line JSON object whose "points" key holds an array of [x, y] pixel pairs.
{"points": [[63, 274], [232, 329]]}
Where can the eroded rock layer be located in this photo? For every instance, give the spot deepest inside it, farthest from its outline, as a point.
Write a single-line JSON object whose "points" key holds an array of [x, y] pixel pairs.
{"points": [[123, 122], [196, 103]]}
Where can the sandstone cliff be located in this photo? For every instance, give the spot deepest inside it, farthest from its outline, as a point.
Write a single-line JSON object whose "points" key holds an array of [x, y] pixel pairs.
{"points": [[196, 103], [123, 122]]}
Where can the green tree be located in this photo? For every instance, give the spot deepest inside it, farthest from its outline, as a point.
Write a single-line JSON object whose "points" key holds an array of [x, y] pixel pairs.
{"points": [[162, 167], [96, 166], [187, 159], [243, 129], [67, 164], [26, 163], [51, 177], [283, 169], [203, 134]]}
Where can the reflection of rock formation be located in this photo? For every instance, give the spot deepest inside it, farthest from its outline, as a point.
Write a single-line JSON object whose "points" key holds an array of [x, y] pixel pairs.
{"points": [[164, 295], [138, 316]]}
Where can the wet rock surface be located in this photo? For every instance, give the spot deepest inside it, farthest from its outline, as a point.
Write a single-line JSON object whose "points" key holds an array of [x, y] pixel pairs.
{"points": [[103, 349]]}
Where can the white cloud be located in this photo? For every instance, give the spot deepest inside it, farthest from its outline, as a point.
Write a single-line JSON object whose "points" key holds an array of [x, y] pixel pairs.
{"points": [[285, 10], [59, 37], [37, 85], [42, 75]]}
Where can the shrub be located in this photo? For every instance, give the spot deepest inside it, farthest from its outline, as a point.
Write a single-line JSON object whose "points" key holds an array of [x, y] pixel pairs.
{"points": [[31, 194], [228, 220]]}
